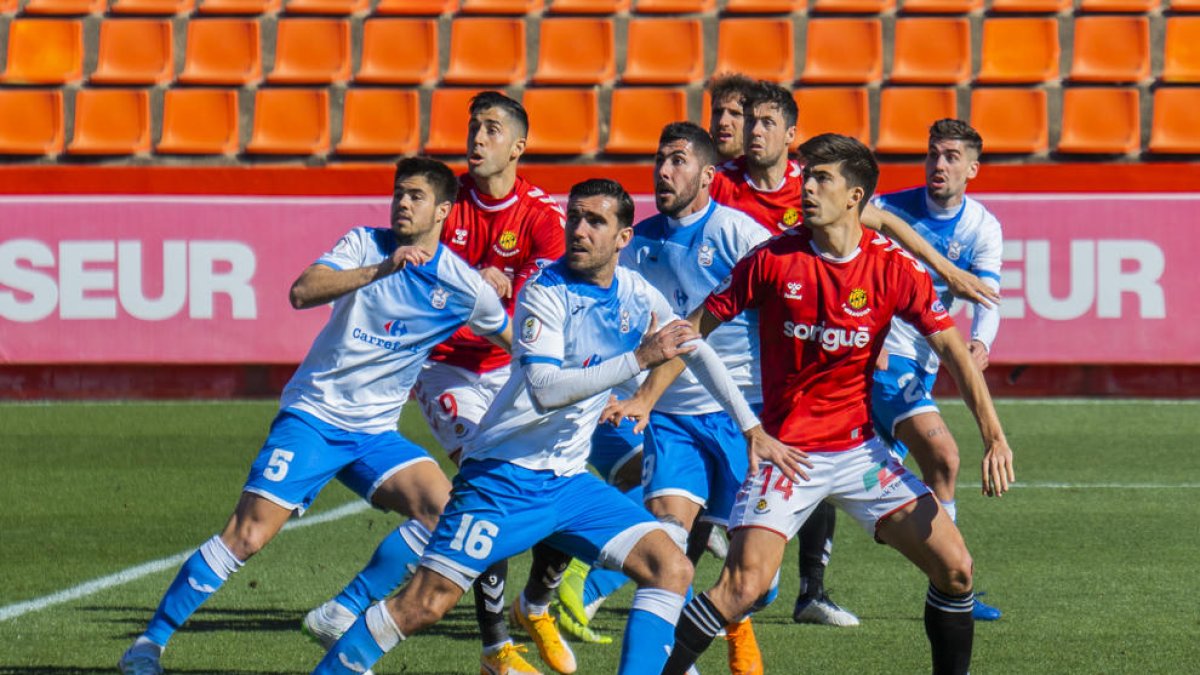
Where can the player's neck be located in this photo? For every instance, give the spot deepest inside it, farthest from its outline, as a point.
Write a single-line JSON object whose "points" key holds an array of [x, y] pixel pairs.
{"points": [[599, 276], [698, 204], [839, 239], [947, 205], [497, 186], [768, 178], [427, 242]]}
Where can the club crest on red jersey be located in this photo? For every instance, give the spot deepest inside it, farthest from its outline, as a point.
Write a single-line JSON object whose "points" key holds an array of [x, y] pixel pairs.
{"points": [[856, 303], [506, 245], [791, 216]]}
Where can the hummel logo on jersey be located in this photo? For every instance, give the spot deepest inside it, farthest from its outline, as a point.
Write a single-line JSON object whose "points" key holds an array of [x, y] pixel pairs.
{"points": [[203, 588], [830, 339], [438, 297], [793, 290], [460, 237]]}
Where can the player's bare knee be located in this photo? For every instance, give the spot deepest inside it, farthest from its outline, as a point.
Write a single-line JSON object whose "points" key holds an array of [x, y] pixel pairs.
{"points": [[746, 585], [245, 539], [956, 576]]}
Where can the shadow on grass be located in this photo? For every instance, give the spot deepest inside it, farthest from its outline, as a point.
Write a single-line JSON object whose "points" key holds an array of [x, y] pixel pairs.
{"points": [[76, 670]]}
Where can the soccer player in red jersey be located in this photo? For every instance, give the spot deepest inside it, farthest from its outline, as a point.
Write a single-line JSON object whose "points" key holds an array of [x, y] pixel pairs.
{"points": [[726, 119], [825, 296]]}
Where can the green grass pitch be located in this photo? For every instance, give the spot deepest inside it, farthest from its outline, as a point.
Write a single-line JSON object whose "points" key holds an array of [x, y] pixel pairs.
{"points": [[1093, 557]]}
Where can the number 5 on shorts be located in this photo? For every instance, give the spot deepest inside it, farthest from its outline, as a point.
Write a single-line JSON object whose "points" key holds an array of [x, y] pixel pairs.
{"points": [[474, 537], [277, 466]]}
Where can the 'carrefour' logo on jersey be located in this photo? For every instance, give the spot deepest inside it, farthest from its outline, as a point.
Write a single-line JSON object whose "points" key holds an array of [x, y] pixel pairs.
{"points": [[626, 324], [438, 297], [394, 328], [791, 216], [705, 255], [856, 302], [507, 243], [793, 291], [593, 360]]}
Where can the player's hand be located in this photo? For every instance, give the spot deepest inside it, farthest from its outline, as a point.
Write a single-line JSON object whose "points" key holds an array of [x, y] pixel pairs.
{"points": [[405, 255], [881, 361], [761, 446], [970, 287], [634, 409], [497, 280], [978, 352], [997, 469], [662, 345]]}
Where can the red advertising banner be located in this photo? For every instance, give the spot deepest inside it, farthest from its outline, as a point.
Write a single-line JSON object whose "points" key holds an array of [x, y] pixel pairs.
{"points": [[1088, 278]]}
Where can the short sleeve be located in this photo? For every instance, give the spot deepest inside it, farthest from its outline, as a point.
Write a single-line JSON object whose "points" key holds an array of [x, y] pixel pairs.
{"points": [[919, 304], [538, 333], [549, 243], [349, 252], [737, 292]]}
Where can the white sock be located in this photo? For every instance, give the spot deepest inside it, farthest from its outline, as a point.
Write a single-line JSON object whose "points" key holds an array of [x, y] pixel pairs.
{"points": [[951, 509], [145, 645], [531, 609], [492, 649]]}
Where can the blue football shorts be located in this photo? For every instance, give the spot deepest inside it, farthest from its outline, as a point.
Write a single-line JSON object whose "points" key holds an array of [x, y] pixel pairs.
{"points": [[902, 391], [498, 509], [613, 447], [302, 454]]}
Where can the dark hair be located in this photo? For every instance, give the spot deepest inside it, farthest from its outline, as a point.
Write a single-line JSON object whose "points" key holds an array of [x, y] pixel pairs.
{"points": [[440, 177], [728, 84], [605, 187], [857, 164], [486, 100], [770, 93], [956, 130], [702, 143]]}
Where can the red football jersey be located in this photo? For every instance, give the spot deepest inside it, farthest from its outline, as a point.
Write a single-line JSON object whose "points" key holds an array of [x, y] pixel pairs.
{"points": [[512, 234], [777, 210], [822, 322]]}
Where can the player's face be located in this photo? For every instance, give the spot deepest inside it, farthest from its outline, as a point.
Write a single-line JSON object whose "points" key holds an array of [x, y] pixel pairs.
{"points": [[415, 209], [493, 142], [827, 197], [679, 177], [767, 136], [594, 235], [949, 164], [725, 125]]}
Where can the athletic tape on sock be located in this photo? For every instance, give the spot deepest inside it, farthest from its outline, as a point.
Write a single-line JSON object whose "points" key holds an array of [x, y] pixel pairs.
{"points": [[660, 602], [219, 558], [379, 622]]}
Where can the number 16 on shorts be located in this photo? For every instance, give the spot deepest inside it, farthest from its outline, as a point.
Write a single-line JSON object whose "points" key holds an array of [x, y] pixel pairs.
{"points": [[474, 537]]}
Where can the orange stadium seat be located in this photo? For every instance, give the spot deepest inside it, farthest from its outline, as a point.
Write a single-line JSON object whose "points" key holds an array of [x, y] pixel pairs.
{"points": [[46, 51], [1130, 6], [380, 122], [1185, 5], [759, 48], [576, 51], [8, 6], [1031, 6], [448, 120], [1111, 49], [64, 7], [199, 122], [290, 122], [664, 51], [589, 6], [905, 114], [416, 7], [31, 122], [562, 121], [932, 51], [1117, 131], [311, 51], [399, 51], [1017, 51], [843, 51], [508, 7], [842, 110], [1011, 121], [852, 6], [1181, 53], [240, 7], [942, 6], [222, 51], [152, 7], [1176, 123], [486, 51], [674, 6], [765, 6], [111, 122], [135, 51], [637, 116], [327, 7]]}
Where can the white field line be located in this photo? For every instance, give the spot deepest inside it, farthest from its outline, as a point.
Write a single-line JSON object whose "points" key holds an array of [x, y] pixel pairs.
{"points": [[945, 401], [134, 573], [1048, 485]]}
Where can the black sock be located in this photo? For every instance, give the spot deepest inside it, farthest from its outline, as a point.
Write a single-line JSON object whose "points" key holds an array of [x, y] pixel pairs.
{"points": [[951, 630], [698, 539], [489, 604], [816, 543], [545, 573], [698, 624]]}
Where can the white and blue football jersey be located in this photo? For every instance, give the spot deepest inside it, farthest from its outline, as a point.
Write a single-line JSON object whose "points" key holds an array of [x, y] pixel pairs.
{"points": [[686, 259], [361, 365], [567, 323], [969, 237]]}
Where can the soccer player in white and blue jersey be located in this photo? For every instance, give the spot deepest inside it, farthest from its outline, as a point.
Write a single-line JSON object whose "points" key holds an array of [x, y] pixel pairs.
{"points": [[396, 294], [585, 326], [962, 230]]}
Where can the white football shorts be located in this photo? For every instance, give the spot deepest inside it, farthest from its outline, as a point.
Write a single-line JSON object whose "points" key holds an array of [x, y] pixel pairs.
{"points": [[454, 399]]}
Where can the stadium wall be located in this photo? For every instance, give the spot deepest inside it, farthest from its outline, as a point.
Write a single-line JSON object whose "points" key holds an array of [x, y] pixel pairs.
{"points": [[134, 282]]}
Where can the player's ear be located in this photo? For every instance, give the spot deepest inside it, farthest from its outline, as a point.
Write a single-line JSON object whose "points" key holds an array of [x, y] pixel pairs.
{"points": [[973, 169], [854, 198], [518, 149], [706, 176], [790, 135], [442, 211], [624, 236]]}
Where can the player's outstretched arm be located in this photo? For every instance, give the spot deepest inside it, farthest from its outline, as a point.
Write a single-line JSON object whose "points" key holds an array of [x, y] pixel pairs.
{"points": [[961, 283], [997, 469], [503, 339], [320, 284]]}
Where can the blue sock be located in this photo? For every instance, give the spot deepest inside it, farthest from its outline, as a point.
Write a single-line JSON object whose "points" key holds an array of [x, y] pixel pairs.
{"points": [[650, 631], [394, 560], [201, 575], [372, 635], [768, 597]]}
